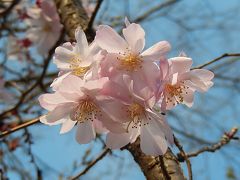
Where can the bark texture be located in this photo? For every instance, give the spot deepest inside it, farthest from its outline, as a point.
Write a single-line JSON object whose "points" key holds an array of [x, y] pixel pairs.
{"points": [[73, 15], [151, 167]]}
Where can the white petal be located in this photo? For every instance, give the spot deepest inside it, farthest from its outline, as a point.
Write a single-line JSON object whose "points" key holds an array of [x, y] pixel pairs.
{"points": [[67, 126], [82, 44], [85, 132]]}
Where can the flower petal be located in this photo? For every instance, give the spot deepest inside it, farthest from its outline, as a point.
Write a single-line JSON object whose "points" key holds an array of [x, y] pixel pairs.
{"points": [[153, 141], [59, 112], [85, 132], [180, 64], [82, 44], [50, 101], [135, 36], [157, 51], [67, 126], [116, 141], [108, 39]]}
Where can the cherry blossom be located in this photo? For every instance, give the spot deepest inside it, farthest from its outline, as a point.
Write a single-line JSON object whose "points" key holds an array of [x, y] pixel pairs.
{"points": [[126, 56], [113, 86], [77, 102], [78, 58], [180, 82], [133, 106], [45, 26]]}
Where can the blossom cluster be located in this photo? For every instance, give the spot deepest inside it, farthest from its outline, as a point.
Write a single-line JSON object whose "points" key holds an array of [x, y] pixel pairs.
{"points": [[43, 28], [114, 86]]}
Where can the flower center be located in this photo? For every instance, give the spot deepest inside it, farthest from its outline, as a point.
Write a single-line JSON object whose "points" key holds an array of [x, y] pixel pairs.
{"points": [[86, 110], [131, 62], [175, 91], [136, 113], [76, 69], [135, 110]]}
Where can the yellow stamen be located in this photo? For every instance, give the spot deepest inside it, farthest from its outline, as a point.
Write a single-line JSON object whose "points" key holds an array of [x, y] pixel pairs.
{"points": [[131, 62], [86, 110], [76, 69], [175, 91]]}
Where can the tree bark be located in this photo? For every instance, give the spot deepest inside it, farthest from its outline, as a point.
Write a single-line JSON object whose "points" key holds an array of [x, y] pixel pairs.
{"points": [[72, 15]]}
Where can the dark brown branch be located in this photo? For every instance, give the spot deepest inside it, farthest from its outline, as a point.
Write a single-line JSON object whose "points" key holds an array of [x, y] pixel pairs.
{"points": [[217, 59], [94, 14], [150, 164], [183, 154], [9, 9], [227, 137], [91, 164]]}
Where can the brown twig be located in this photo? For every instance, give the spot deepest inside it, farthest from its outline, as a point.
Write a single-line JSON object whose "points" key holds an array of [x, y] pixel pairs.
{"points": [[227, 137], [91, 164], [154, 9], [19, 127], [216, 59], [185, 157]]}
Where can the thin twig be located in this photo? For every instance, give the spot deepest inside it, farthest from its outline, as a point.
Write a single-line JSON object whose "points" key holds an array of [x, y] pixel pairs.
{"points": [[103, 154], [154, 9], [217, 59], [227, 137], [19, 127], [183, 154]]}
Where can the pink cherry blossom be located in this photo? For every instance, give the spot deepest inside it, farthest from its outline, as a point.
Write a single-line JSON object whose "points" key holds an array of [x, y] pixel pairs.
{"points": [[79, 59], [77, 102], [180, 82], [45, 26], [133, 106], [126, 56]]}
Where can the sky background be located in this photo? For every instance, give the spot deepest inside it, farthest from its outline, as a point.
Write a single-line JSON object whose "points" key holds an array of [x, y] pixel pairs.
{"points": [[204, 30]]}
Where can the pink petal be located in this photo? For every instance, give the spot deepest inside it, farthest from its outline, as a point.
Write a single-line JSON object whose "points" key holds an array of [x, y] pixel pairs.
{"points": [[160, 122], [157, 51], [135, 36], [71, 86], [203, 74], [116, 141], [61, 111], [180, 64], [67, 126], [96, 84], [108, 39], [85, 132], [43, 119], [153, 141], [58, 81], [50, 101]]}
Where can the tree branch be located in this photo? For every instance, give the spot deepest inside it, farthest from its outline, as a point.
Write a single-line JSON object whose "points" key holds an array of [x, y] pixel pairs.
{"points": [[91, 164], [227, 137], [216, 59]]}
